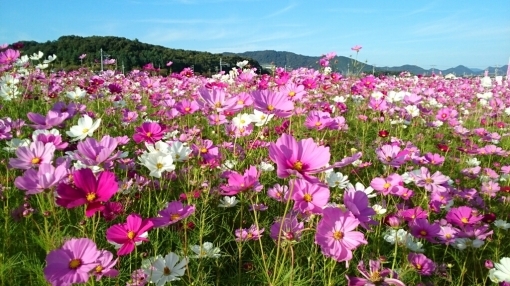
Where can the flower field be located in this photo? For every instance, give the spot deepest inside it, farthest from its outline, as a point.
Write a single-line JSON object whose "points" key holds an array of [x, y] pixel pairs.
{"points": [[302, 177]]}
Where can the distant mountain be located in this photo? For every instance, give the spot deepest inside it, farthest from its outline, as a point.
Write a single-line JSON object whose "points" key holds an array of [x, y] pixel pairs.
{"points": [[343, 64], [293, 61]]}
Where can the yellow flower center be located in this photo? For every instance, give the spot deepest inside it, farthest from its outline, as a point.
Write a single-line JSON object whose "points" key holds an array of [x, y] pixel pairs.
{"points": [[99, 269], [337, 235], [174, 217], [298, 166], [159, 166], [464, 220], [308, 198], [149, 134], [36, 160], [429, 181], [91, 197], [203, 150], [270, 107], [187, 109], [318, 123], [240, 102], [423, 233], [418, 266], [75, 263], [292, 93], [131, 234], [85, 130], [387, 185]]}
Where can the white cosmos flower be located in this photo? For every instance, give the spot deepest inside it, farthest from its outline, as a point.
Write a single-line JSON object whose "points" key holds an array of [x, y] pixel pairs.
{"points": [[77, 93], [206, 250], [266, 167], [473, 162], [360, 188], [50, 59], [260, 118], [41, 66], [157, 163], [379, 209], [501, 224], [179, 151], [86, 127], [165, 269], [337, 180], [15, 143], [36, 57], [501, 271], [412, 110], [241, 120], [228, 202]]}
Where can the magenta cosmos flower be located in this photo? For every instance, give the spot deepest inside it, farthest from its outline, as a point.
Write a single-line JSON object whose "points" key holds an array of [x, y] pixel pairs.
{"points": [[87, 191], [72, 263], [127, 235], [174, 212], [238, 183], [335, 234], [422, 264], [149, 132], [302, 158], [463, 216]]}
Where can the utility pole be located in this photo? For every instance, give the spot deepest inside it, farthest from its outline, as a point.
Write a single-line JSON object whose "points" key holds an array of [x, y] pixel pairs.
{"points": [[433, 66], [222, 64], [101, 59], [373, 69], [496, 70]]}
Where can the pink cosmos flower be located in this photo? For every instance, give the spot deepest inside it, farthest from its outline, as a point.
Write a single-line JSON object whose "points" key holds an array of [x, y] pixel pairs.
{"points": [[357, 203], [149, 132], [105, 265], [237, 183], [336, 236], [309, 197], [128, 235], [421, 228], [302, 158], [252, 233], [93, 153], [429, 182], [87, 191], [52, 119], [46, 177], [175, 211], [271, 102], [216, 99], [9, 56], [32, 156], [51, 138], [318, 120], [374, 276], [279, 193], [293, 91], [356, 48], [187, 106], [72, 263], [392, 155], [421, 263], [287, 228], [393, 184], [463, 216]]}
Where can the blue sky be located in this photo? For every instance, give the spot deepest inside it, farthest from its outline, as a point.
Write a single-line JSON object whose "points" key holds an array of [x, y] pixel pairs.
{"points": [[438, 33]]}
